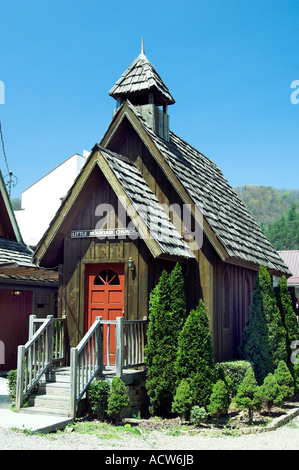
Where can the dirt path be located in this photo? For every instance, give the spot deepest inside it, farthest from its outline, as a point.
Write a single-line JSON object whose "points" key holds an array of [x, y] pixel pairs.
{"points": [[284, 438]]}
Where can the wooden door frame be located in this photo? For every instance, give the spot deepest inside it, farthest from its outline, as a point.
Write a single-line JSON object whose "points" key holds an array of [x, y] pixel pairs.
{"points": [[84, 283]]}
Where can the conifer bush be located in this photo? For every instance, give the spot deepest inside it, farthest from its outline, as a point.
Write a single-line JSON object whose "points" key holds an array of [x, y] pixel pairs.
{"points": [[182, 400], [219, 400], [195, 357], [118, 399], [271, 393], [264, 338], [290, 323], [285, 380], [198, 415], [249, 394], [276, 330], [98, 394], [167, 312]]}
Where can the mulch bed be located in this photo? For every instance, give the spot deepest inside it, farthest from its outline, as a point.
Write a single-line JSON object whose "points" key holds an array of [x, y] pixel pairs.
{"points": [[234, 420]]}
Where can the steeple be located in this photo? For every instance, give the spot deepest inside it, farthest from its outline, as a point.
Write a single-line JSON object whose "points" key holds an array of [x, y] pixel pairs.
{"points": [[143, 86]]}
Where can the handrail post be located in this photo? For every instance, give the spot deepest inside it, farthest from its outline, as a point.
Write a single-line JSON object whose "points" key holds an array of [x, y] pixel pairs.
{"points": [[73, 379], [99, 348], [20, 377], [119, 346], [50, 341], [31, 325]]}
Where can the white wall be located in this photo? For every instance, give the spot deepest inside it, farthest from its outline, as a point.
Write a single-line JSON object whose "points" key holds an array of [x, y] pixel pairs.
{"points": [[41, 201]]}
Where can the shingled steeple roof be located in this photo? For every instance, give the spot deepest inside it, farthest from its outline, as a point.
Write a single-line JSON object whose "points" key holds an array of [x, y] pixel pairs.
{"points": [[140, 79]]}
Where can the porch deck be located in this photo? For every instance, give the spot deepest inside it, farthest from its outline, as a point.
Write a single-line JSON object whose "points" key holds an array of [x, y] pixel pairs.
{"points": [[93, 357]]}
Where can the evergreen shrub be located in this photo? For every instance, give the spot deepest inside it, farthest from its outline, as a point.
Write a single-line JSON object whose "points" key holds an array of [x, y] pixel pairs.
{"points": [[285, 380], [167, 312], [198, 415], [182, 400], [233, 373], [195, 358], [98, 394], [264, 338], [248, 394], [118, 399], [219, 400], [271, 393]]}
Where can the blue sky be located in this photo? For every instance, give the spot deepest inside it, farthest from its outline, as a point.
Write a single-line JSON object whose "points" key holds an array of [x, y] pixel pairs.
{"points": [[229, 64]]}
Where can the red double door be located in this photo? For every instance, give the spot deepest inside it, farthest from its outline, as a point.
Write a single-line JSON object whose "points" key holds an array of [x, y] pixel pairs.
{"points": [[105, 298]]}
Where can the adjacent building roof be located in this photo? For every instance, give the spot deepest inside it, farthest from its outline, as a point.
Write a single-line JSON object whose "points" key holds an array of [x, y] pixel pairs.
{"points": [[139, 77], [291, 259], [13, 253], [224, 212]]}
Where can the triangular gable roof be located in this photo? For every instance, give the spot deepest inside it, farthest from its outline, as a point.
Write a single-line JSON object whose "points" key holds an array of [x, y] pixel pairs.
{"points": [[141, 76], [162, 238], [228, 225]]}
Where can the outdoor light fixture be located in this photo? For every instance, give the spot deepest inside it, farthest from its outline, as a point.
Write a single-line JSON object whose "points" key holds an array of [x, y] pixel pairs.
{"points": [[16, 293], [131, 264]]}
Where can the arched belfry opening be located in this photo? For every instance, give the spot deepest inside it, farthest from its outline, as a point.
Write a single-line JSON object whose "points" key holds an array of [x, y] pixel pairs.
{"points": [[144, 88]]}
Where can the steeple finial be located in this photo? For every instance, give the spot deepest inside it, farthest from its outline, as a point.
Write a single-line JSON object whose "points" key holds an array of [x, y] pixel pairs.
{"points": [[142, 46]]}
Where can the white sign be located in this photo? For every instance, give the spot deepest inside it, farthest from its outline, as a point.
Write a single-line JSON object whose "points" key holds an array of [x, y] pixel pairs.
{"points": [[103, 233]]}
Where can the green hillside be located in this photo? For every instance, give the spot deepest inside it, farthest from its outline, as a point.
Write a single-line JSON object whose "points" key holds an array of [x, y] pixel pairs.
{"points": [[277, 212]]}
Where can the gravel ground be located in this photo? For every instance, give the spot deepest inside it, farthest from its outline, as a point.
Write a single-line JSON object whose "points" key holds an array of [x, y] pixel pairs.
{"points": [[284, 438]]}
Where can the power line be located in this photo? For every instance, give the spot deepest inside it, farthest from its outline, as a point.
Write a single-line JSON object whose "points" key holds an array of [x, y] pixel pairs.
{"points": [[12, 179], [3, 148]]}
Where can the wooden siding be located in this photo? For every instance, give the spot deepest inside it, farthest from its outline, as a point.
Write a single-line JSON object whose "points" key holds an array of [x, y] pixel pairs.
{"points": [[80, 252], [14, 323]]}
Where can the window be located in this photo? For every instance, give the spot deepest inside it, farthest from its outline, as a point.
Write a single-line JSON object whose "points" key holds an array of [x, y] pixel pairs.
{"points": [[107, 277]]}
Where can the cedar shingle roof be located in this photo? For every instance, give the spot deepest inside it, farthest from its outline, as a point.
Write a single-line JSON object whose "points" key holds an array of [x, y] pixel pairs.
{"points": [[226, 214], [12, 252], [147, 205], [139, 77]]}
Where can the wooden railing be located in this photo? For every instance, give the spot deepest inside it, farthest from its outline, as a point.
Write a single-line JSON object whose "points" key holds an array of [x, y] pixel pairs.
{"points": [[86, 361], [124, 348], [45, 345], [59, 336]]}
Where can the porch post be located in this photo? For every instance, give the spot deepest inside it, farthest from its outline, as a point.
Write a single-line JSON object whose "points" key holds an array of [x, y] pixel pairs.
{"points": [[73, 380], [50, 341], [99, 350], [119, 346], [20, 377], [31, 325]]}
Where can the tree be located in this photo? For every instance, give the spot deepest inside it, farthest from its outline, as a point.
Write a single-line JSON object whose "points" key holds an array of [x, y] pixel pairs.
{"points": [[182, 400], [195, 357], [248, 394], [177, 298], [264, 338], [118, 399], [255, 346], [276, 330], [271, 393], [219, 400], [290, 323], [285, 380], [167, 311]]}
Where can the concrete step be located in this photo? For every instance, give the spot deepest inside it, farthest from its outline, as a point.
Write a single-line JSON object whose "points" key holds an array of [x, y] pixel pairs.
{"points": [[55, 403], [61, 374], [55, 388]]}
